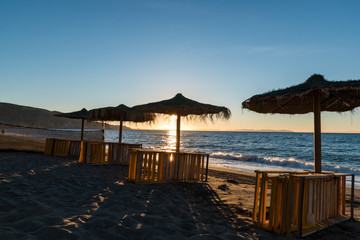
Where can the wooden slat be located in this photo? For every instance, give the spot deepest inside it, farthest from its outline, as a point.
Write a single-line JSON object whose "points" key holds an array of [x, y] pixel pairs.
{"points": [[138, 170], [161, 167], [207, 167], [131, 166], [49, 145], [169, 169], [187, 167], [300, 209], [256, 197], [273, 205], [182, 164], [263, 193], [343, 192], [165, 171], [158, 166], [352, 196], [74, 148], [311, 207], [82, 152], [291, 205], [323, 196], [202, 168], [296, 192], [286, 206], [175, 167], [192, 168], [153, 164], [149, 166], [281, 198], [145, 166], [306, 201]]}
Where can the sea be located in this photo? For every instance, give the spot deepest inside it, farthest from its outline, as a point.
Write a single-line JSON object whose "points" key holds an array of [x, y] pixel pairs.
{"points": [[249, 151]]}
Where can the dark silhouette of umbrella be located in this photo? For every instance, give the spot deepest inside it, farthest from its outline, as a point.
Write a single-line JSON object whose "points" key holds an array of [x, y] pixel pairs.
{"points": [[82, 114], [120, 113], [314, 95], [182, 107]]}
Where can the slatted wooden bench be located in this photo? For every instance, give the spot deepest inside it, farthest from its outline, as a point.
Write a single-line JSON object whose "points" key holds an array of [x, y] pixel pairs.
{"points": [[106, 152], [300, 203], [150, 166], [62, 147]]}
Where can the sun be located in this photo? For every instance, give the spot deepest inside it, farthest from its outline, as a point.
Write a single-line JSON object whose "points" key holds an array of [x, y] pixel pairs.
{"points": [[172, 123], [167, 123], [173, 118]]}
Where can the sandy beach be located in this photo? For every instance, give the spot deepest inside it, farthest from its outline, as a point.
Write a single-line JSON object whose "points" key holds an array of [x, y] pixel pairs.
{"points": [[46, 197]]}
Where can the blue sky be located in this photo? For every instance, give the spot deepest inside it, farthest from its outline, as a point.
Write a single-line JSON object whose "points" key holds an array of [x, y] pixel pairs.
{"points": [[69, 54]]}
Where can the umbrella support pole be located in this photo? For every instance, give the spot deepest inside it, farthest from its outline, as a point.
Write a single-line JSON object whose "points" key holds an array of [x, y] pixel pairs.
{"points": [[120, 131], [317, 133], [178, 133], [82, 129]]}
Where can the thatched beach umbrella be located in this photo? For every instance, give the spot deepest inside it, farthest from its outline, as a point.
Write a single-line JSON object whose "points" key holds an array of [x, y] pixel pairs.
{"points": [[82, 114], [120, 113], [314, 95], [182, 107]]}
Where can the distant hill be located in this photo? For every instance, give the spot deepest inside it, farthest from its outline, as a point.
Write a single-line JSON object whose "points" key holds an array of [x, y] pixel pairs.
{"points": [[42, 118]]}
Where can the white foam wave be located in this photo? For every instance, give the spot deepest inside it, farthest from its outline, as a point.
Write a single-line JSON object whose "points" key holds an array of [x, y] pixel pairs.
{"points": [[290, 163]]}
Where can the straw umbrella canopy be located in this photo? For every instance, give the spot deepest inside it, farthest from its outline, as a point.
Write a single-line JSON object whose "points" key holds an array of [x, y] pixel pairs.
{"points": [[314, 95], [120, 113], [182, 107], [82, 114]]}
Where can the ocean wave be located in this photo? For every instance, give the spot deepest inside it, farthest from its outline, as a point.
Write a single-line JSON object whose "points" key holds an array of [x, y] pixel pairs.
{"points": [[290, 163]]}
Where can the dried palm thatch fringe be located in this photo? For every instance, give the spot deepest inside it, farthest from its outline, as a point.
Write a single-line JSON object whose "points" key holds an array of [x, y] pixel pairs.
{"points": [[336, 96], [119, 113], [182, 106]]}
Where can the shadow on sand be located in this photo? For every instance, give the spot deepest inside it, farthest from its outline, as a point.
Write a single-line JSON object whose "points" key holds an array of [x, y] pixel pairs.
{"points": [[53, 197], [57, 198]]}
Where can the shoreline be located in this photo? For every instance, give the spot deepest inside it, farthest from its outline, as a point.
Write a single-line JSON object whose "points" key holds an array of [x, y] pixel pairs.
{"points": [[233, 177], [250, 177]]}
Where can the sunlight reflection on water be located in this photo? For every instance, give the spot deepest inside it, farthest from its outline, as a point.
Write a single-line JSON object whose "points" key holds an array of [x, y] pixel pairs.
{"points": [[170, 141]]}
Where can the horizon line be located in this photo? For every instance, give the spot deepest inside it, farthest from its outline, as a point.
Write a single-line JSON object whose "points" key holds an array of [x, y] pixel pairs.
{"points": [[246, 130]]}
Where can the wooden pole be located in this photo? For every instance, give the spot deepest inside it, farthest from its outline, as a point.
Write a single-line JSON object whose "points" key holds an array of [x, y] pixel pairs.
{"points": [[103, 131], [301, 206], [352, 196], [256, 198], [317, 132], [178, 134], [120, 131], [207, 167], [82, 129]]}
